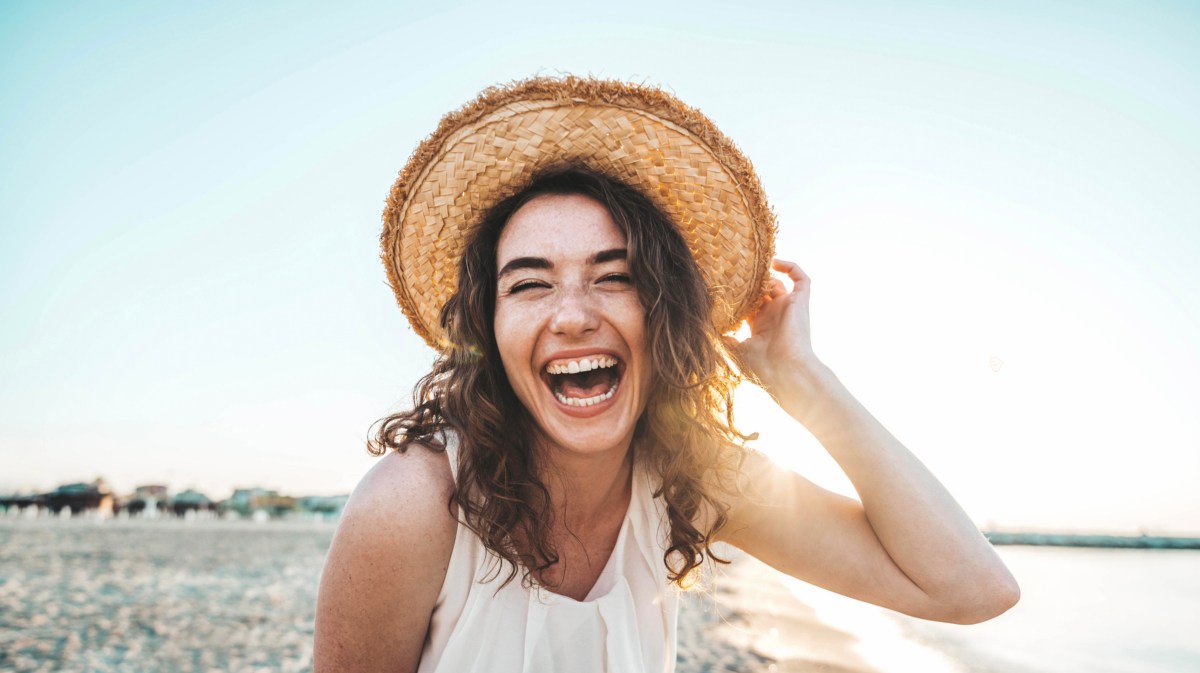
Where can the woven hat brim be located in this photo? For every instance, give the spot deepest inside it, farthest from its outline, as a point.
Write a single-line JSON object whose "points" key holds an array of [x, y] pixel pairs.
{"points": [[492, 147]]}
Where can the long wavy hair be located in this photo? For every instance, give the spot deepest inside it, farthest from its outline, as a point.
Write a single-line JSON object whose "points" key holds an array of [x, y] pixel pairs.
{"points": [[685, 436]]}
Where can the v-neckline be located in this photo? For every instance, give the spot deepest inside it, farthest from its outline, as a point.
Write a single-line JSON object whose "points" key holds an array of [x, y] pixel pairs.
{"points": [[606, 571]]}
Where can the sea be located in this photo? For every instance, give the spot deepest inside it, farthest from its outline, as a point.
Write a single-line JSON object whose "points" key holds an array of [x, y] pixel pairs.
{"points": [[1081, 611]]}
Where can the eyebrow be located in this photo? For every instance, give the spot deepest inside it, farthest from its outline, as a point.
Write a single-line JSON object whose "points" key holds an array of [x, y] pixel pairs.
{"points": [[518, 263], [611, 255]]}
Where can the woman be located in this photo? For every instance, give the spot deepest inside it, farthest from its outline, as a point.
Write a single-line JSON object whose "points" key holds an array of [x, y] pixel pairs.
{"points": [[575, 249]]}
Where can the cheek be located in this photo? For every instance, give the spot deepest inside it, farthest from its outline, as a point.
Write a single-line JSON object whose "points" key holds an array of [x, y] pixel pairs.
{"points": [[515, 345], [633, 319], [637, 338], [505, 339]]}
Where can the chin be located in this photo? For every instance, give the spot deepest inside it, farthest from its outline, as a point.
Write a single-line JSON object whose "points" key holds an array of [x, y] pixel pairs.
{"points": [[585, 442]]}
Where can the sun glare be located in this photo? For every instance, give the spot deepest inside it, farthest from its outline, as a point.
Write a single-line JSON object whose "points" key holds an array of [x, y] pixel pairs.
{"points": [[743, 331]]}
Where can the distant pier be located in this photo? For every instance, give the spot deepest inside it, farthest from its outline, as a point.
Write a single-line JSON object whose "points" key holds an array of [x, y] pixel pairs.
{"points": [[1100, 541]]}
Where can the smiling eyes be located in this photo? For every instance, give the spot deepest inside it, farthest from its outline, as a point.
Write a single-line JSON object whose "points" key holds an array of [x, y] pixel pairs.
{"points": [[620, 279], [526, 285]]}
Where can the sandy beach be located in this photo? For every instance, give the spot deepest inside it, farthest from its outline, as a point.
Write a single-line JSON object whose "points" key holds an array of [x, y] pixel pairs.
{"points": [[761, 618], [81, 595]]}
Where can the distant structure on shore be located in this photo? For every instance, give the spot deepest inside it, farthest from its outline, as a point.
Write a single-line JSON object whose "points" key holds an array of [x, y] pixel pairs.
{"points": [[1098, 541], [153, 501]]}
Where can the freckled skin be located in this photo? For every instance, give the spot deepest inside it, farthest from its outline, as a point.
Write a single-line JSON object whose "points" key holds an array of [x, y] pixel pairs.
{"points": [[576, 306]]}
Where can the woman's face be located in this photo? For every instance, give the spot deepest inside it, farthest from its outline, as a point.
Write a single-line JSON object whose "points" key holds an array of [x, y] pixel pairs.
{"points": [[568, 323]]}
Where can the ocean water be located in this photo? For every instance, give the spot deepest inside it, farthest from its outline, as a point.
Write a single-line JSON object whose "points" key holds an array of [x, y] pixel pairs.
{"points": [[1081, 611], [1094, 610]]}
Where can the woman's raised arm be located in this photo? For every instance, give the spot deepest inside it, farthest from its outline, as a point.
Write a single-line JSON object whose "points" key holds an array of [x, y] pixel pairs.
{"points": [[908, 545], [386, 566]]}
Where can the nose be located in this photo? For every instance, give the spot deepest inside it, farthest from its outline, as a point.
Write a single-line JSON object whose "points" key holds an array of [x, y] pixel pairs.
{"points": [[574, 313]]}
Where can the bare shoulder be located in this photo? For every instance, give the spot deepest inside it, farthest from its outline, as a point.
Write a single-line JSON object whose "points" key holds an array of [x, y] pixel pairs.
{"points": [[404, 496], [399, 481], [386, 565]]}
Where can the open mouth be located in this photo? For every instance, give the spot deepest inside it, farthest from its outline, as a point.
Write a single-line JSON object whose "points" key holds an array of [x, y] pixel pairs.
{"points": [[585, 381]]}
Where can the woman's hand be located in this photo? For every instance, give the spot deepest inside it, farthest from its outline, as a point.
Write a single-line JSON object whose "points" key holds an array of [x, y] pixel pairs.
{"points": [[779, 355]]}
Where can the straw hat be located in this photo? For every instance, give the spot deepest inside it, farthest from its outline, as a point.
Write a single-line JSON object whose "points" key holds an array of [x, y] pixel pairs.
{"points": [[490, 148]]}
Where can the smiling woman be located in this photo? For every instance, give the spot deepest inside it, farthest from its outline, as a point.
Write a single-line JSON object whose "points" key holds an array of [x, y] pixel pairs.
{"points": [[578, 293], [570, 294], [575, 250]]}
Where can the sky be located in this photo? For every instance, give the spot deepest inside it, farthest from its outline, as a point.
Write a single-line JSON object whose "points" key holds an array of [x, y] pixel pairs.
{"points": [[997, 204]]}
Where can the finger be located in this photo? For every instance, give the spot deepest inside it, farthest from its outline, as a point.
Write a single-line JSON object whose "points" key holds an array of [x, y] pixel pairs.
{"points": [[793, 271], [777, 289]]}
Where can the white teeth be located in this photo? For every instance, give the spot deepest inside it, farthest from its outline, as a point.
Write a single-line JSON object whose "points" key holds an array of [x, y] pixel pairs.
{"points": [[582, 365], [586, 401]]}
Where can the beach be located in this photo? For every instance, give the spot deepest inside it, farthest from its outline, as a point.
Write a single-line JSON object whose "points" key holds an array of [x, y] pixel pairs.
{"points": [[183, 596], [172, 595], [748, 607], [80, 595]]}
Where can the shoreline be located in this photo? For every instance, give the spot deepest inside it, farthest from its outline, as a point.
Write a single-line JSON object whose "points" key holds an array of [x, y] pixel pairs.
{"points": [[794, 627], [759, 614], [1098, 540], [198, 523], [1093, 541]]}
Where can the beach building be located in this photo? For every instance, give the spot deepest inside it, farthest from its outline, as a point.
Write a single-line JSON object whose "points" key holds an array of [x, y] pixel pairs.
{"points": [[156, 491], [242, 501], [148, 501], [275, 505], [16, 504], [71, 499], [323, 506], [192, 501], [249, 501]]}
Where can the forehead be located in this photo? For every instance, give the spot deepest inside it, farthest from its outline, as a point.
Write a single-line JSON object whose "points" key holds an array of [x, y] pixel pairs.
{"points": [[566, 226]]}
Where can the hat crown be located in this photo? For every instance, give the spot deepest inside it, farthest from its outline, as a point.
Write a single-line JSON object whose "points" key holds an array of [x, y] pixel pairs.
{"points": [[492, 148]]}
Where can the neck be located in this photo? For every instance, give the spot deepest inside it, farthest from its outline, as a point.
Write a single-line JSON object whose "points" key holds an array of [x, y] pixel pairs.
{"points": [[585, 488]]}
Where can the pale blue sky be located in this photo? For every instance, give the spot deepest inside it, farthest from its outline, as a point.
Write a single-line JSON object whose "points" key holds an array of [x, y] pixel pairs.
{"points": [[998, 204]]}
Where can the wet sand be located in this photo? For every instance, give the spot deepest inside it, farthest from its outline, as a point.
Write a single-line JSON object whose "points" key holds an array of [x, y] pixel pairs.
{"points": [[764, 620], [81, 595]]}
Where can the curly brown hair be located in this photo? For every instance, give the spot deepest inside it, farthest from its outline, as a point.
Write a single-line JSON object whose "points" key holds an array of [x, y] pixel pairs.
{"points": [[686, 434]]}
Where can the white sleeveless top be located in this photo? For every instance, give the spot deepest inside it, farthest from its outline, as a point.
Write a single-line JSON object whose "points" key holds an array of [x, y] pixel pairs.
{"points": [[626, 623]]}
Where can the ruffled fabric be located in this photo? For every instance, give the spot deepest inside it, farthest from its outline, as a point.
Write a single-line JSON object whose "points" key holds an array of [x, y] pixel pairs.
{"points": [[626, 623]]}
